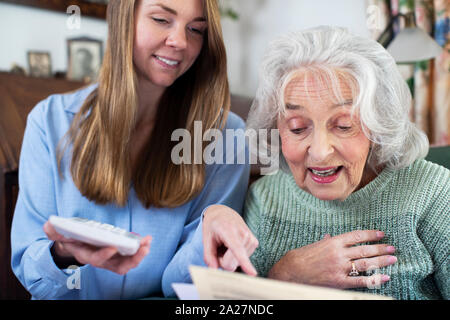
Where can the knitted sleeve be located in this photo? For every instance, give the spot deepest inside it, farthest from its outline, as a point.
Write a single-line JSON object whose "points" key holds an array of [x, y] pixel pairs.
{"points": [[434, 231], [253, 216]]}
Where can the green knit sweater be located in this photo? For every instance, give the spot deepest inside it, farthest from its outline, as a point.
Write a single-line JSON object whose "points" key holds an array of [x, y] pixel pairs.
{"points": [[411, 205]]}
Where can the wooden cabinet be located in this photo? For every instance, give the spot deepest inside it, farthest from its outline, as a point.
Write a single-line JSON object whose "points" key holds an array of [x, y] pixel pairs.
{"points": [[18, 95]]}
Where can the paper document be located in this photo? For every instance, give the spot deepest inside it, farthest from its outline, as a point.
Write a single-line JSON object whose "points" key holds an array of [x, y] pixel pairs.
{"points": [[185, 291], [215, 284]]}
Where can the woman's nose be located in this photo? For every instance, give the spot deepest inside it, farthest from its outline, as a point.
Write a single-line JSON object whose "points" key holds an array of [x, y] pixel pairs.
{"points": [[321, 147], [177, 38]]}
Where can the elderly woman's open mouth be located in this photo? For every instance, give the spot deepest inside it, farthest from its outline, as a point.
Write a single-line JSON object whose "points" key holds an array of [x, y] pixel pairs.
{"points": [[325, 175]]}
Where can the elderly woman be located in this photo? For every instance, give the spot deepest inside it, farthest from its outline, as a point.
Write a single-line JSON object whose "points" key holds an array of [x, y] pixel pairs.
{"points": [[351, 160]]}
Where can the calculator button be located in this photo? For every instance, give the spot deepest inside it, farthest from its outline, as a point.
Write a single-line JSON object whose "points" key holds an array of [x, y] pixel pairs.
{"points": [[107, 226]]}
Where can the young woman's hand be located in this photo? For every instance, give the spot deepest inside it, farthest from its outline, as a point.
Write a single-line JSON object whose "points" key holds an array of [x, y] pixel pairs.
{"points": [[228, 242], [328, 262], [68, 251]]}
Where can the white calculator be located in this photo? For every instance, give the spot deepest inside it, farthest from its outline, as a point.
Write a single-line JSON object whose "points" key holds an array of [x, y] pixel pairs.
{"points": [[97, 234]]}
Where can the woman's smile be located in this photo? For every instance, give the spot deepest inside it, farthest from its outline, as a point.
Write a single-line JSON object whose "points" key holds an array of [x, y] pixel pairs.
{"points": [[167, 62], [324, 175]]}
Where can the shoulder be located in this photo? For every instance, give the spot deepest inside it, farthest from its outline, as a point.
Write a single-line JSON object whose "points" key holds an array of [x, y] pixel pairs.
{"points": [[56, 106], [269, 189], [264, 198], [268, 182], [425, 175], [233, 146], [234, 121], [425, 188], [429, 183]]}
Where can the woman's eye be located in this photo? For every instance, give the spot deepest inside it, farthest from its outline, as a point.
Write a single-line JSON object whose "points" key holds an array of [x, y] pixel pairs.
{"points": [[160, 21], [298, 130], [197, 31], [344, 128]]}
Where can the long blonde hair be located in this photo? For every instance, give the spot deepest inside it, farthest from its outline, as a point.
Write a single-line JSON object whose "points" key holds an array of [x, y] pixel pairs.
{"points": [[101, 131]]}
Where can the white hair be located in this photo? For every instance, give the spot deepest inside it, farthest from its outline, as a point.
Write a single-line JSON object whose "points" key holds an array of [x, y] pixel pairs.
{"points": [[381, 96]]}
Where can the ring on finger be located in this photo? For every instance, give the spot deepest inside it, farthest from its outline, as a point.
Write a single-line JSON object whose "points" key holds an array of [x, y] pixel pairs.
{"points": [[354, 272]]}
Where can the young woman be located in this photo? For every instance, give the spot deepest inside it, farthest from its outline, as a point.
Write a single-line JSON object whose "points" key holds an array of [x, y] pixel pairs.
{"points": [[104, 153]]}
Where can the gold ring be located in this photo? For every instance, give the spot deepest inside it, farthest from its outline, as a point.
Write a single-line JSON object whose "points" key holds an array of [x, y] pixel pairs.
{"points": [[354, 272]]}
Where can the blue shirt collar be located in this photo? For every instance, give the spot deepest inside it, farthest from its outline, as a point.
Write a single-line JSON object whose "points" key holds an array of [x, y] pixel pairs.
{"points": [[73, 101]]}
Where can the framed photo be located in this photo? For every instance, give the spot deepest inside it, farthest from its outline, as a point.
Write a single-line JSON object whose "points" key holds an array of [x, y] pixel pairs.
{"points": [[39, 64], [85, 59], [91, 8]]}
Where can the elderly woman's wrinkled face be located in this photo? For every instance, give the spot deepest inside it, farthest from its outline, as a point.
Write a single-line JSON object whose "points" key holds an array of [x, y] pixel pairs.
{"points": [[323, 145]]}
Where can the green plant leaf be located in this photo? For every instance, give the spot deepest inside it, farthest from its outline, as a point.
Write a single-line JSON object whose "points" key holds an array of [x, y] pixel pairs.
{"points": [[407, 3], [410, 83], [423, 65]]}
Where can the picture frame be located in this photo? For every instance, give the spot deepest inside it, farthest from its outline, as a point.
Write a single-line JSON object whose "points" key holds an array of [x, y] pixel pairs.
{"points": [[91, 8], [39, 64], [85, 56]]}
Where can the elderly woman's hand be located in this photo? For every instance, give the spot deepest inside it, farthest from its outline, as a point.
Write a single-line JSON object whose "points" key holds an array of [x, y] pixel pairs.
{"points": [[328, 262], [228, 242]]}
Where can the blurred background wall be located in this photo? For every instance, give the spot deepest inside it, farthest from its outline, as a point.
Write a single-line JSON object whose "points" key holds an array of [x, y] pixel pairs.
{"points": [[25, 28], [260, 21]]}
